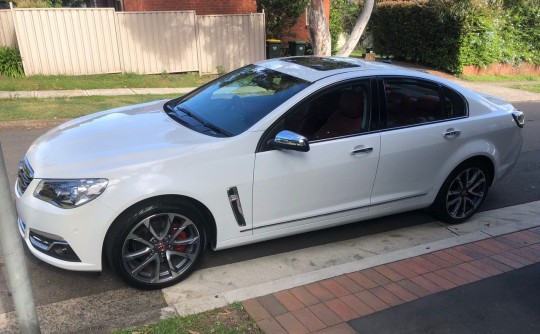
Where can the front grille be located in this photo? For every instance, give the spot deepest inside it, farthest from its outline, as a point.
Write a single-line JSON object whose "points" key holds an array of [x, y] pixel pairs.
{"points": [[24, 176]]}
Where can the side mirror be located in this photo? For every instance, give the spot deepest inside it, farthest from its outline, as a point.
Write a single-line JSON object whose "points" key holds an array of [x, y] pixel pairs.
{"points": [[288, 140]]}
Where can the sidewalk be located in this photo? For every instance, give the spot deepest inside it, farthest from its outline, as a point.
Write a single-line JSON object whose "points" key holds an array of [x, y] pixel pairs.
{"points": [[339, 304]]}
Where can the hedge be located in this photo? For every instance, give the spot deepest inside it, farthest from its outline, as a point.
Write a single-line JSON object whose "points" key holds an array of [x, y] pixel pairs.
{"points": [[450, 36]]}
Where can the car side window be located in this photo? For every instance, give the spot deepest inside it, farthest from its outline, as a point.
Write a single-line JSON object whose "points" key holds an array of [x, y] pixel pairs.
{"points": [[454, 103], [411, 101], [338, 112]]}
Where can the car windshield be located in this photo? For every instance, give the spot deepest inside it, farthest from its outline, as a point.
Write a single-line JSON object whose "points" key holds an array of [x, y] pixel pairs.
{"points": [[233, 103]]}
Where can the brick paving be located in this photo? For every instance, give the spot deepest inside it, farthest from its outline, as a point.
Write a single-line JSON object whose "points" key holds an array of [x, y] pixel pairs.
{"points": [[326, 306]]}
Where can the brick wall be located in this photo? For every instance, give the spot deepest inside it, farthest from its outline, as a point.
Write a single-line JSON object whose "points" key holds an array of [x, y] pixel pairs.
{"points": [[301, 29], [201, 7]]}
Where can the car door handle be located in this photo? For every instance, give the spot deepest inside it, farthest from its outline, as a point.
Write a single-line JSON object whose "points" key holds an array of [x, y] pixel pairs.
{"points": [[362, 150], [452, 133]]}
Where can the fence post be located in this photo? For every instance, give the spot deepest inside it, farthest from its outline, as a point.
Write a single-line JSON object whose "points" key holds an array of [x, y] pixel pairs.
{"points": [[14, 258]]}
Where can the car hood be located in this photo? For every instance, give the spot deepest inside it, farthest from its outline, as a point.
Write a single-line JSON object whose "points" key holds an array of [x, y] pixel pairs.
{"points": [[95, 145]]}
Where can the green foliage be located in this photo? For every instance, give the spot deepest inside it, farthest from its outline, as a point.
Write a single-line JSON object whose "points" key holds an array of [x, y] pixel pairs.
{"points": [[343, 15], [450, 34], [48, 3], [281, 16], [10, 62]]}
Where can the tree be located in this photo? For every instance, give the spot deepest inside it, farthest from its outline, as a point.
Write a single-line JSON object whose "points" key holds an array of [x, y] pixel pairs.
{"points": [[318, 29], [281, 15], [358, 29], [320, 33]]}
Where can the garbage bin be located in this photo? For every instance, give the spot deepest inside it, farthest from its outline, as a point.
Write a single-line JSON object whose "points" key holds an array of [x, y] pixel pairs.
{"points": [[297, 48], [273, 48]]}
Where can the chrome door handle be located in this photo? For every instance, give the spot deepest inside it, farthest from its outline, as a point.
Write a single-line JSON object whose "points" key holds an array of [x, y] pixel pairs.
{"points": [[451, 132], [362, 150]]}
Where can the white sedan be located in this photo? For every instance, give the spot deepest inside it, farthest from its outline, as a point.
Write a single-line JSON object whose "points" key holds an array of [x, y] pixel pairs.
{"points": [[276, 148]]}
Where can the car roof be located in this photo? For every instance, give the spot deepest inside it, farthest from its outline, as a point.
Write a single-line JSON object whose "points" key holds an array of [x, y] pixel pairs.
{"points": [[314, 68]]}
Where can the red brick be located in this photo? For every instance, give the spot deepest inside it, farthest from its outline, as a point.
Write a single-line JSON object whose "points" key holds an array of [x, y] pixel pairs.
{"points": [[457, 280], [463, 274], [509, 262], [402, 268], [389, 273], [535, 246], [509, 242], [320, 292], [272, 305], [358, 306], [401, 292], [435, 260], [348, 284], [474, 270], [288, 300], [447, 257], [517, 258], [292, 325], [304, 296], [458, 254], [362, 280], [528, 253], [469, 252], [326, 315], [440, 281], [528, 236], [334, 287], [255, 310], [486, 267], [413, 288], [493, 245], [343, 328], [341, 309], [371, 300], [271, 326], [426, 284], [375, 276], [496, 264], [420, 265], [484, 251], [308, 319], [386, 296]]}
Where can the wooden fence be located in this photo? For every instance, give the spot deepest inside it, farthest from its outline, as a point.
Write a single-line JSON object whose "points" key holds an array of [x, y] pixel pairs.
{"points": [[100, 40]]}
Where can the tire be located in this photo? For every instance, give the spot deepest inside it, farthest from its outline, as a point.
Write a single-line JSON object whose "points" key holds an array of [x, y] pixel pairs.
{"points": [[156, 244], [462, 193]]}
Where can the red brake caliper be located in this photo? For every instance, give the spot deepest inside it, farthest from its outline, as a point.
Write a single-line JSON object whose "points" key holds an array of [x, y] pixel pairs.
{"points": [[181, 236]]}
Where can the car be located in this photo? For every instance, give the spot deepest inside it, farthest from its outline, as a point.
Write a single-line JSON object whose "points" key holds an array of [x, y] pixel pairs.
{"points": [[276, 148]]}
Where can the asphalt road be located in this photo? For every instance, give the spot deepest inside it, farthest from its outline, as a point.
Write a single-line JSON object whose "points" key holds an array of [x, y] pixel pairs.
{"points": [[53, 285]]}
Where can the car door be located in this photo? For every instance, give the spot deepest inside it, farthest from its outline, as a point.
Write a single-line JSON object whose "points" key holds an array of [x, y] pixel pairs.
{"points": [[335, 177], [421, 129]]}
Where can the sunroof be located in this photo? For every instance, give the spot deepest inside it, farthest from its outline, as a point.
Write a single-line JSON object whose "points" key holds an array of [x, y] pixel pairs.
{"points": [[322, 64]]}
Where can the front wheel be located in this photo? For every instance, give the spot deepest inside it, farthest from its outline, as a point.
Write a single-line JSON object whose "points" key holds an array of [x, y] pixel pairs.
{"points": [[157, 245], [462, 193]]}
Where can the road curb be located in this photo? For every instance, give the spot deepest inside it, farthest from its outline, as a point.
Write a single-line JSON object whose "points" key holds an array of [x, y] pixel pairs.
{"points": [[210, 302]]}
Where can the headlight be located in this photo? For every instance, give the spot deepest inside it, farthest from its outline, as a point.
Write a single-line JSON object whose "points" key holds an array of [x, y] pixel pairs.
{"points": [[68, 194]]}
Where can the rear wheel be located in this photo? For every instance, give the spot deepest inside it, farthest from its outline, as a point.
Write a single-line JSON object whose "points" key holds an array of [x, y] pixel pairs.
{"points": [[157, 245], [462, 193]]}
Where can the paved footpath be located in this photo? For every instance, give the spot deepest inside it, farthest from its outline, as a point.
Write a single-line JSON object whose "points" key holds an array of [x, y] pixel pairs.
{"points": [[339, 304]]}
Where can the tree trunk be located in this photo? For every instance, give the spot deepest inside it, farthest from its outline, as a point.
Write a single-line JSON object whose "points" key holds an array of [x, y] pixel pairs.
{"points": [[318, 29], [358, 29]]}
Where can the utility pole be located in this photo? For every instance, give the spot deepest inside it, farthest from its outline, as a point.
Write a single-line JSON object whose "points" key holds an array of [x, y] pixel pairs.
{"points": [[14, 258]]}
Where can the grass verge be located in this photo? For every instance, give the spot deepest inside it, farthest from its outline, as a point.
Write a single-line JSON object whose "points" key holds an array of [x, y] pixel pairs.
{"points": [[68, 107], [530, 88], [500, 78], [102, 81], [232, 319]]}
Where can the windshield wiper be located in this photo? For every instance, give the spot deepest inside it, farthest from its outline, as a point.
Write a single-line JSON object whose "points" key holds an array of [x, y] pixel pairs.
{"points": [[202, 121]]}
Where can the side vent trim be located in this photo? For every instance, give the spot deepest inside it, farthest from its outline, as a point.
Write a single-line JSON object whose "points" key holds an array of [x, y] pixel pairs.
{"points": [[236, 206]]}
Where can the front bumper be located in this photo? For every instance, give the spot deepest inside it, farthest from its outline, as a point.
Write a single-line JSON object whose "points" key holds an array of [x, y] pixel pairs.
{"points": [[67, 238]]}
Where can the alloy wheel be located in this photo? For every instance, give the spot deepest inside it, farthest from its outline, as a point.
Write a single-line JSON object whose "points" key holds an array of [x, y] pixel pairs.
{"points": [[466, 193]]}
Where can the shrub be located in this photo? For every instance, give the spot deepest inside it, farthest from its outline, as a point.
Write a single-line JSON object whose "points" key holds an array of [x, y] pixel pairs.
{"points": [[450, 34], [10, 62]]}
